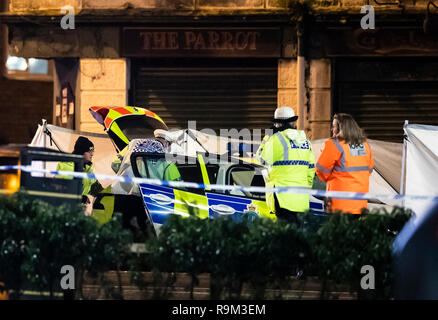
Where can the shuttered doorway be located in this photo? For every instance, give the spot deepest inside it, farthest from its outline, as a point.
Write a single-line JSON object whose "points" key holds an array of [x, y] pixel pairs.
{"points": [[216, 93], [382, 93]]}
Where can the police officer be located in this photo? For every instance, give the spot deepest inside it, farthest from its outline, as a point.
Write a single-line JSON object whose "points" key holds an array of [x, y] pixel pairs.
{"points": [[169, 142], [290, 161], [171, 172], [85, 148]]}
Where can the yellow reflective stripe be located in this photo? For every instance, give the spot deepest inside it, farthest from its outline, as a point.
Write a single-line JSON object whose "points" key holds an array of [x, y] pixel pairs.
{"points": [[118, 132], [53, 194], [136, 110], [284, 144], [204, 172], [142, 111], [43, 293], [112, 115], [159, 119], [131, 109]]}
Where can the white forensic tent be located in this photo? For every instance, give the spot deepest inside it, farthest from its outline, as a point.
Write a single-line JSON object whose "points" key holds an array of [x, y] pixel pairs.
{"points": [[421, 177], [385, 178], [65, 140]]}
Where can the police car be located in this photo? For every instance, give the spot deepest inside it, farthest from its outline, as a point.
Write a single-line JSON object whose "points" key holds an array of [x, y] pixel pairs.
{"points": [[161, 201], [151, 203]]}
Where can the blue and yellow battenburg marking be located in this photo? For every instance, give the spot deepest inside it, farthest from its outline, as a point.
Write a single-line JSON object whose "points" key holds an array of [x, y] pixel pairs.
{"points": [[161, 201], [220, 205]]}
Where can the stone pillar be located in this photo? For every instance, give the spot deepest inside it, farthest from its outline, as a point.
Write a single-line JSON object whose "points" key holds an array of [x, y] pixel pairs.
{"points": [[287, 84], [320, 111], [3, 42], [102, 82]]}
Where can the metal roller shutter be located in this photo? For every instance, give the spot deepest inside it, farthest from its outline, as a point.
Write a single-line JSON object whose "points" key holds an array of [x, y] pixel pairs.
{"points": [[381, 95], [230, 94]]}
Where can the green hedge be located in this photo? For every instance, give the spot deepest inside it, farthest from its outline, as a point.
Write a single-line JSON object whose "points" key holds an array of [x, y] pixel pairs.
{"points": [[37, 239], [345, 243], [264, 253]]}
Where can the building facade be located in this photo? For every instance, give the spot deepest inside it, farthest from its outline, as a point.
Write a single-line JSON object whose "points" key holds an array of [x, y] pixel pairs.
{"points": [[230, 63], [24, 99]]}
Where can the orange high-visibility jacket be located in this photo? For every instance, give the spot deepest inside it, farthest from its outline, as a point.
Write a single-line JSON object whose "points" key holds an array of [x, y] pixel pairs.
{"points": [[346, 168]]}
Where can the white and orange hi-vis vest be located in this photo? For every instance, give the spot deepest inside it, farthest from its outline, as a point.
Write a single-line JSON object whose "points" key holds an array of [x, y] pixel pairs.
{"points": [[346, 168]]}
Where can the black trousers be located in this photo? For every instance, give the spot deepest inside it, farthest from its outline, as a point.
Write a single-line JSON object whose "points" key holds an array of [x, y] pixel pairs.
{"points": [[284, 214]]}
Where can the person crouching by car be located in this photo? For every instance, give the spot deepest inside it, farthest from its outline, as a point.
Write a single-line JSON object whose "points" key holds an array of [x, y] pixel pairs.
{"points": [[346, 163], [85, 148]]}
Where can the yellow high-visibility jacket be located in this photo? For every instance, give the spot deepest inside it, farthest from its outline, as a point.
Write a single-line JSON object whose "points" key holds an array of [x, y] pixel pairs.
{"points": [[70, 166], [290, 161]]}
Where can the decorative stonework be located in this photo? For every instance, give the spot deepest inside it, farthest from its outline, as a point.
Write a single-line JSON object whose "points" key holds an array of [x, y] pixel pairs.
{"points": [[277, 3], [143, 4], [231, 3], [42, 5], [52, 7], [47, 42], [353, 6], [380, 42]]}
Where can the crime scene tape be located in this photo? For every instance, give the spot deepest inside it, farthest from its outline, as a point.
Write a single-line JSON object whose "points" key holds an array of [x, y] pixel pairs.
{"points": [[194, 185]]}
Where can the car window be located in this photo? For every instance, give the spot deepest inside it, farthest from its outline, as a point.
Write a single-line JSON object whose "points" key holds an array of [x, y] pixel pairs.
{"points": [[157, 167], [212, 170], [191, 173], [245, 176]]}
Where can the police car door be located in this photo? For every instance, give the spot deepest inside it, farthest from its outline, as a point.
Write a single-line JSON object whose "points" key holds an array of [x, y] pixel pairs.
{"points": [[163, 200]]}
